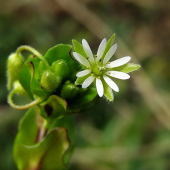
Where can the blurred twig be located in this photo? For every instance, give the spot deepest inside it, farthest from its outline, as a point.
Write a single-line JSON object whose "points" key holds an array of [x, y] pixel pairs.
{"points": [[92, 155], [90, 20]]}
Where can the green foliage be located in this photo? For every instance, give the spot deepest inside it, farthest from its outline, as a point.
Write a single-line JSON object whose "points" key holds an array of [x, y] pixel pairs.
{"points": [[46, 135], [47, 153]]}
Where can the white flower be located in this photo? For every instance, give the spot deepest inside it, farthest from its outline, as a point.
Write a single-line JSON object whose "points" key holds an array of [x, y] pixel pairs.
{"points": [[98, 69]]}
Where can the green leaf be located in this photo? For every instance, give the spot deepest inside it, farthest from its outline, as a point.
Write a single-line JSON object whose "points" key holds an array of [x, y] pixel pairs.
{"points": [[61, 51], [47, 154], [54, 107], [25, 80], [109, 44], [69, 123], [126, 68], [78, 48], [27, 129]]}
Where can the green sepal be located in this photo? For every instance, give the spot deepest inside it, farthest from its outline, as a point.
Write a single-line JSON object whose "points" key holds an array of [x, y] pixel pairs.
{"points": [[80, 80], [108, 91], [109, 44], [79, 48], [48, 153], [126, 68], [55, 107]]}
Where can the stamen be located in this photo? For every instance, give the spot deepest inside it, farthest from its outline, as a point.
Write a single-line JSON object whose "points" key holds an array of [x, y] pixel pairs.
{"points": [[95, 55], [100, 60]]}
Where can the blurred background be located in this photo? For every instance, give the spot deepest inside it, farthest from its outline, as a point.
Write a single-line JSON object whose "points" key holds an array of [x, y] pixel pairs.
{"points": [[133, 132]]}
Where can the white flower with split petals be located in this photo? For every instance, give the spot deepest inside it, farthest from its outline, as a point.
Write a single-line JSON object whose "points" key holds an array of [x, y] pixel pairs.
{"points": [[99, 70]]}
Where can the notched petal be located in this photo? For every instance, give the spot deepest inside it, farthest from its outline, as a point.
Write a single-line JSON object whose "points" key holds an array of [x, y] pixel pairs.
{"points": [[118, 62], [118, 74], [101, 49], [87, 50], [111, 83], [82, 73], [99, 86], [88, 81], [81, 59], [109, 54]]}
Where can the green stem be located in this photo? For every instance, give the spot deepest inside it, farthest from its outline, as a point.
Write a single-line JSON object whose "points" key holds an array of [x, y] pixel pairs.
{"points": [[32, 50], [22, 107]]}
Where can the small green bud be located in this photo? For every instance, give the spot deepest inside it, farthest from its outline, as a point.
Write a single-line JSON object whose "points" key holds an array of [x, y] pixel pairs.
{"points": [[14, 65], [49, 81], [61, 68], [19, 89], [69, 90]]}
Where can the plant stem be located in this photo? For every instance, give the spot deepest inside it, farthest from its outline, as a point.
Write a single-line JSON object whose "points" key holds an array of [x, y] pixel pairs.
{"points": [[22, 107], [32, 50]]}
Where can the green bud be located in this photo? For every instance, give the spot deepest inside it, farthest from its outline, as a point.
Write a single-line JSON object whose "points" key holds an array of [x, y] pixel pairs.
{"points": [[49, 81], [14, 65], [19, 89], [61, 68], [69, 90]]}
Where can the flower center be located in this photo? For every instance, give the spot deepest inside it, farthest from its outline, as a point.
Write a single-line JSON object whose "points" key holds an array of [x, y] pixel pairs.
{"points": [[96, 70]]}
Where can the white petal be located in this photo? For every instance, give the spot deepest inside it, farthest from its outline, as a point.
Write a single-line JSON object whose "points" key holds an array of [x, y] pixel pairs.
{"points": [[99, 87], [109, 54], [87, 82], [118, 74], [88, 51], [81, 59], [119, 62], [82, 73], [111, 83], [101, 49]]}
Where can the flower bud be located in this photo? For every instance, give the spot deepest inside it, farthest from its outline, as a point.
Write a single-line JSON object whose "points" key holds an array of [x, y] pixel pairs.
{"points": [[14, 64], [50, 81], [60, 68], [69, 90], [19, 89]]}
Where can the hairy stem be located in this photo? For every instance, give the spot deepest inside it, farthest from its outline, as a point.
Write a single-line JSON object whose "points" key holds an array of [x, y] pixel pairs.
{"points": [[22, 107], [32, 50]]}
